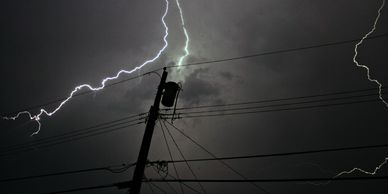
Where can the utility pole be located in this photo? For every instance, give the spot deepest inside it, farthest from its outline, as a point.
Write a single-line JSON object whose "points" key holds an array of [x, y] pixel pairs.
{"points": [[146, 143]]}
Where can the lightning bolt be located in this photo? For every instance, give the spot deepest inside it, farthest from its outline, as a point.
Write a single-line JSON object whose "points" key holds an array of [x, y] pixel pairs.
{"points": [[380, 92], [364, 66], [186, 47], [374, 172], [43, 112], [356, 169], [353, 170]]}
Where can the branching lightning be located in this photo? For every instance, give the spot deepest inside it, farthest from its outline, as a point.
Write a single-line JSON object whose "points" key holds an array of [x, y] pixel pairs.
{"points": [[374, 172], [186, 47], [364, 66], [380, 92], [356, 169], [376, 169], [42, 112]]}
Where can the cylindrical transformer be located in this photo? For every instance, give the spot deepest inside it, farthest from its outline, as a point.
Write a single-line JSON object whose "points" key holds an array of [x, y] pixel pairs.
{"points": [[170, 91]]}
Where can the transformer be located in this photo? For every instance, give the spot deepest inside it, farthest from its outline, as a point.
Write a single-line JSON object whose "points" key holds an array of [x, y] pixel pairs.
{"points": [[170, 92]]}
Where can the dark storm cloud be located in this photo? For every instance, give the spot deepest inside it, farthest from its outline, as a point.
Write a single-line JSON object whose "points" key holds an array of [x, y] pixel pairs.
{"points": [[199, 89], [227, 75]]}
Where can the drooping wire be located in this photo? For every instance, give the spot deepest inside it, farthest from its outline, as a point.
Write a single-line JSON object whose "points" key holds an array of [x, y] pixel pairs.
{"points": [[112, 169], [120, 169]]}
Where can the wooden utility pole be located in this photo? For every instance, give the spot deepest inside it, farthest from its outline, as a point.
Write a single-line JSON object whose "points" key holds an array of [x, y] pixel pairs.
{"points": [[146, 143]]}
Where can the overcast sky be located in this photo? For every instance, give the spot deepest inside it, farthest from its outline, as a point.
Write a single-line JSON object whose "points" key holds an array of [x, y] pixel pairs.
{"points": [[49, 47]]}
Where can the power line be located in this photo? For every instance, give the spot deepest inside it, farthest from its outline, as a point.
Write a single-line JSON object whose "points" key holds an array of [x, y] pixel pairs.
{"points": [[112, 169], [71, 138], [119, 184], [90, 128], [181, 153], [282, 154], [214, 156], [29, 108], [272, 110], [287, 99], [279, 105], [169, 152], [184, 184], [105, 125], [158, 187], [150, 184], [126, 184], [279, 51], [189, 115], [203, 63], [66, 140], [72, 133], [152, 190], [169, 185], [86, 132], [271, 180], [237, 110]]}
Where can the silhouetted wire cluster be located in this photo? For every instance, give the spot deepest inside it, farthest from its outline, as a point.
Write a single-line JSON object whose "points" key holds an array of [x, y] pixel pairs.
{"points": [[183, 181], [136, 119], [122, 168], [275, 105], [331, 99], [74, 135]]}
